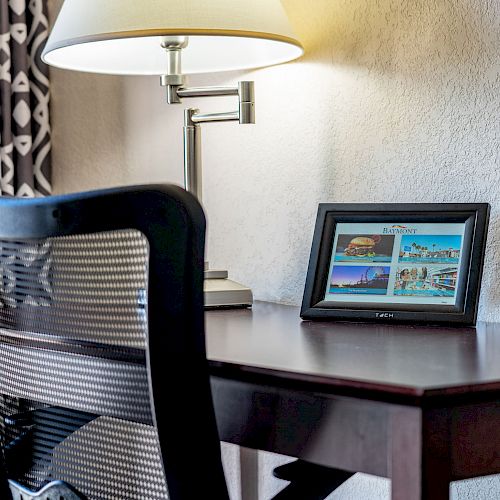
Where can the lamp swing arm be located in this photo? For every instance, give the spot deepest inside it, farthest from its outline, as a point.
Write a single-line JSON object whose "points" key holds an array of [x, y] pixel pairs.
{"points": [[246, 96], [192, 130], [174, 82]]}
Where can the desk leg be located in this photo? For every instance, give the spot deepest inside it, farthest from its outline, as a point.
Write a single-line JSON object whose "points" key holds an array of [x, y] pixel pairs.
{"points": [[420, 460], [249, 474]]}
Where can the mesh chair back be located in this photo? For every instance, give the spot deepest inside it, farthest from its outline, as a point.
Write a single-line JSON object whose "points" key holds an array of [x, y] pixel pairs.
{"points": [[103, 374]]}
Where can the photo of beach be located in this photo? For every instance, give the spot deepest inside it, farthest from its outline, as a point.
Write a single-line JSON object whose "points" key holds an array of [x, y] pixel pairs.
{"points": [[366, 280], [430, 249], [364, 248], [426, 281]]}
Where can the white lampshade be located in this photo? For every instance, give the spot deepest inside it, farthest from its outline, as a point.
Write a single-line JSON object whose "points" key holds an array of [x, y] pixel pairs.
{"points": [[124, 36]]}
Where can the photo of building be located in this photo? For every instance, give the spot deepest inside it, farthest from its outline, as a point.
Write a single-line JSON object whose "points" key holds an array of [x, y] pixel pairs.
{"points": [[430, 249], [426, 281]]}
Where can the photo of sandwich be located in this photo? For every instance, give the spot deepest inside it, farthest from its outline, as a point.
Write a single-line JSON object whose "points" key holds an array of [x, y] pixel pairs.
{"points": [[364, 248]]}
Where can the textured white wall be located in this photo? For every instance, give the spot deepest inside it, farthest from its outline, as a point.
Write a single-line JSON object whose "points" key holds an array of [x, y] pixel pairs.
{"points": [[396, 100]]}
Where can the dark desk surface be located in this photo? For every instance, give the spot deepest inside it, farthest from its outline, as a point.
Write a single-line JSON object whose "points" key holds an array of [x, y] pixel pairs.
{"points": [[270, 340], [418, 405]]}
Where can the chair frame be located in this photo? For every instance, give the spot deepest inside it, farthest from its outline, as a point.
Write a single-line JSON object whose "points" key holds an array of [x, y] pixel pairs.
{"points": [[173, 222]]}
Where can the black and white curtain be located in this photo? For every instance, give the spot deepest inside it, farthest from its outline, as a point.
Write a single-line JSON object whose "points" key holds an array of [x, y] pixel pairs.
{"points": [[25, 168]]}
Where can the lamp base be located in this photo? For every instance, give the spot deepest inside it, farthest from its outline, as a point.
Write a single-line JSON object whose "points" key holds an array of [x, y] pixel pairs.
{"points": [[221, 292]]}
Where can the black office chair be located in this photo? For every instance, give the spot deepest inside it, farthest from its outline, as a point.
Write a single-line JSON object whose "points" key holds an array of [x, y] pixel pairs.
{"points": [[104, 385]]}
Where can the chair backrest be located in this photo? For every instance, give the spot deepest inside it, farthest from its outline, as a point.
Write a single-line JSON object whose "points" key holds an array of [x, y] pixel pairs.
{"points": [[104, 382]]}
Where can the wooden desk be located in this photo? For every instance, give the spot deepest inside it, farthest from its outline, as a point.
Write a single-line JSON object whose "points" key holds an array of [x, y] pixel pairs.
{"points": [[419, 405]]}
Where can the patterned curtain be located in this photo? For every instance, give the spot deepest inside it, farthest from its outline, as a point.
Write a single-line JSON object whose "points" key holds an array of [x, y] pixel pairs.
{"points": [[25, 168]]}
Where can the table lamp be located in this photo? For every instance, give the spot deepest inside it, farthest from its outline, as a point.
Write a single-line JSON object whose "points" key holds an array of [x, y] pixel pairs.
{"points": [[172, 38]]}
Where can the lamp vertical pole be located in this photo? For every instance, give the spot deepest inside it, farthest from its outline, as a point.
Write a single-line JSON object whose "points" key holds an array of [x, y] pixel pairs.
{"points": [[192, 154]]}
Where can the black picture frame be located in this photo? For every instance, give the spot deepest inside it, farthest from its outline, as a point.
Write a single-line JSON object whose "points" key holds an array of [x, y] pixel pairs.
{"points": [[475, 216]]}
